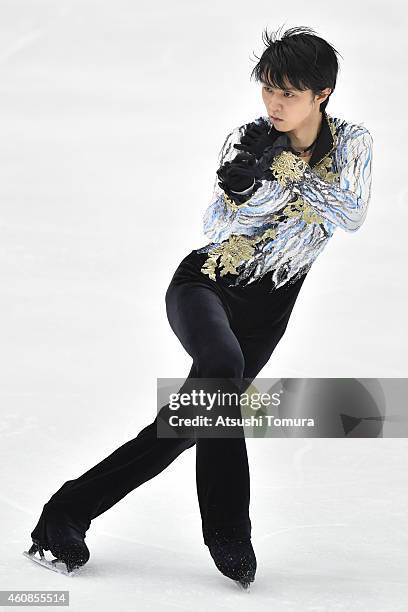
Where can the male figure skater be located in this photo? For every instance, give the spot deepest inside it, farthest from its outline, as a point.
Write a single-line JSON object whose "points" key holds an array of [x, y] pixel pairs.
{"points": [[285, 182]]}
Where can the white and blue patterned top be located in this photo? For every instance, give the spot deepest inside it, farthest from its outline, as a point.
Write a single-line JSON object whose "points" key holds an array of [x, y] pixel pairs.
{"points": [[284, 224]]}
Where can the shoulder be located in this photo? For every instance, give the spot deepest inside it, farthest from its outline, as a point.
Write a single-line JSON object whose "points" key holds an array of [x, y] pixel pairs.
{"points": [[348, 133]]}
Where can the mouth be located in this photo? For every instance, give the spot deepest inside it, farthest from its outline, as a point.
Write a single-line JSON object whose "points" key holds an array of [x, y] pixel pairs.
{"points": [[275, 118]]}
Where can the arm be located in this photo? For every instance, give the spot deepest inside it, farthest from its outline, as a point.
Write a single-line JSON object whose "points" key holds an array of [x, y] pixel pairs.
{"points": [[344, 204], [222, 209]]}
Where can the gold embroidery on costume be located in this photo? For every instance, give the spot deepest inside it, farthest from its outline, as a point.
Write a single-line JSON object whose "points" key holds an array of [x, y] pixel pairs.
{"points": [[332, 129], [287, 167], [326, 156], [239, 249], [323, 169], [302, 209], [232, 252], [323, 166], [231, 202]]}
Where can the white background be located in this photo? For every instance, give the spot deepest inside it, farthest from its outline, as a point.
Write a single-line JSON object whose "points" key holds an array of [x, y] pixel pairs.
{"points": [[112, 116]]}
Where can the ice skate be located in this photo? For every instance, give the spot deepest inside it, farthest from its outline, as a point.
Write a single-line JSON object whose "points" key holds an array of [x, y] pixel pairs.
{"points": [[234, 559], [70, 568], [57, 532], [244, 585]]}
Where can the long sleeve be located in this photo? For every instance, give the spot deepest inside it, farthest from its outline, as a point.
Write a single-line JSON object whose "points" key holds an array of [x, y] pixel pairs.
{"points": [[282, 223], [344, 204], [220, 214]]}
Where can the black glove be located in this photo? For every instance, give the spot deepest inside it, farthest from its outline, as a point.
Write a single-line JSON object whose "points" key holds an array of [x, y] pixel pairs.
{"points": [[256, 138], [239, 174]]}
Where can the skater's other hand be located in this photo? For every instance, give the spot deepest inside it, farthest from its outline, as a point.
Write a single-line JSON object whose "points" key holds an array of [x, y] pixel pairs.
{"points": [[239, 174], [256, 139]]}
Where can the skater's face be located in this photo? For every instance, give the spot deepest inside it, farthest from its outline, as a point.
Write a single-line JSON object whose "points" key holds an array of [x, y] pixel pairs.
{"points": [[294, 107]]}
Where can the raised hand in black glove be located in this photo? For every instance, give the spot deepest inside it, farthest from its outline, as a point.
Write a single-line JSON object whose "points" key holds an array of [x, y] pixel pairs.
{"points": [[256, 138], [240, 174]]}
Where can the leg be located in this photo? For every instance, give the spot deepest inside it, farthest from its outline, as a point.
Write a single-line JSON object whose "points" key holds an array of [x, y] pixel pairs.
{"points": [[142, 458], [222, 464], [199, 319], [130, 465], [197, 315]]}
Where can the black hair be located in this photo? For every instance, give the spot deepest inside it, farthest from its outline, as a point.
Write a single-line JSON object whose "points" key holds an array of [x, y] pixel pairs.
{"points": [[306, 60]]}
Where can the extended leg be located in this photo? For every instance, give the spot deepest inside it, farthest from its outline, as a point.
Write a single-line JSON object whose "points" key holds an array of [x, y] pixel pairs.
{"points": [[130, 465]]}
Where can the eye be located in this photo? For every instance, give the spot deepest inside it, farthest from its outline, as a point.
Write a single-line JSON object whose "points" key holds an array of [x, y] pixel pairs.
{"points": [[268, 89]]}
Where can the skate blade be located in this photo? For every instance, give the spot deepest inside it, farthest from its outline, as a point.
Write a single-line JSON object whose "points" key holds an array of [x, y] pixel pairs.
{"points": [[52, 565], [243, 586]]}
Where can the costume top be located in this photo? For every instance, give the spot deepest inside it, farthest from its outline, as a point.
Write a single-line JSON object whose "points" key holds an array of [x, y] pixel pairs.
{"points": [[282, 225]]}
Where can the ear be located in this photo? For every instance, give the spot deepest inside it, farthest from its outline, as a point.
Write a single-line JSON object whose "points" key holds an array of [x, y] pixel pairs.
{"points": [[323, 94]]}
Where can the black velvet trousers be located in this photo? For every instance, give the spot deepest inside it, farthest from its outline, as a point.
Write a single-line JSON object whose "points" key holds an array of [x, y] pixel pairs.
{"points": [[230, 333]]}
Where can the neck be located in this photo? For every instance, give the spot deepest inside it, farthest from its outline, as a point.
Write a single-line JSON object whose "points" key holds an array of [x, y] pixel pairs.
{"points": [[303, 136]]}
